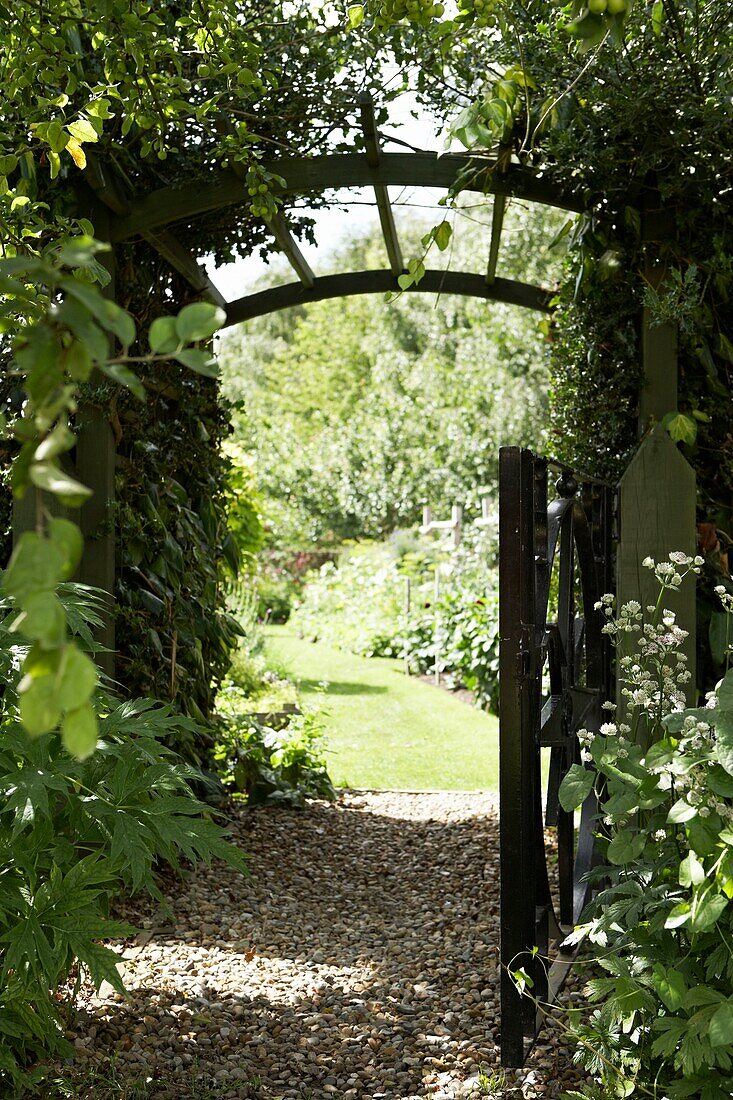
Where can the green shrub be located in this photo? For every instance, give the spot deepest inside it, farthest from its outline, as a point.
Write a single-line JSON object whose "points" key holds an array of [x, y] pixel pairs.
{"points": [[74, 836], [661, 925], [269, 765], [360, 604], [275, 597]]}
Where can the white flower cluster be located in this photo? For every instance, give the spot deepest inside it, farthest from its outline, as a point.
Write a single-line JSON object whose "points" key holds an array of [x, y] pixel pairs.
{"points": [[671, 574], [653, 676], [724, 596]]}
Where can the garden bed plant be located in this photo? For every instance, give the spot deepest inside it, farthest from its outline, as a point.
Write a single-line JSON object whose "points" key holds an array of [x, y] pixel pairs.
{"points": [[660, 926], [359, 603]]}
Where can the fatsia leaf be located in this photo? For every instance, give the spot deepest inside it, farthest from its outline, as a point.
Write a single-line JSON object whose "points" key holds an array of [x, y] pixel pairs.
{"points": [[101, 962]]}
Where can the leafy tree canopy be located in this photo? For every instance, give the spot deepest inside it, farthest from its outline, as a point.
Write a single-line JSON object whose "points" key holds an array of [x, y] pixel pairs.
{"points": [[360, 411]]}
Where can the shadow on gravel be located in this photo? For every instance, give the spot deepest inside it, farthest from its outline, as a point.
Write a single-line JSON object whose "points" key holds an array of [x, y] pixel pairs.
{"points": [[360, 960]]}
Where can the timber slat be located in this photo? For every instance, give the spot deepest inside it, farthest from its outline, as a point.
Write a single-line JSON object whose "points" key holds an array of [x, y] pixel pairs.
{"points": [[376, 282], [224, 187]]}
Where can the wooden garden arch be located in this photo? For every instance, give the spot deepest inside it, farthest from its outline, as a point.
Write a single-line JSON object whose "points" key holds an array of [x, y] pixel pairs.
{"points": [[652, 512]]}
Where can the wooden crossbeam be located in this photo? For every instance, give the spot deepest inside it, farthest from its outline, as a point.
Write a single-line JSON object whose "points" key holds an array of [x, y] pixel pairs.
{"points": [[170, 248], [384, 206], [379, 282], [288, 244], [497, 222], [223, 187], [106, 187]]}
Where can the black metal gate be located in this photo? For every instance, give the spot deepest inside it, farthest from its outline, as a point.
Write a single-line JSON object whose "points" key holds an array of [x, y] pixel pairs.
{"points": [[555, 562]]}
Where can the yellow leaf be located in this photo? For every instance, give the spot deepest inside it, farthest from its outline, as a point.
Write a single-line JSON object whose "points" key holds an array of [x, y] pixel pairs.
{"points": [[77, 153]]}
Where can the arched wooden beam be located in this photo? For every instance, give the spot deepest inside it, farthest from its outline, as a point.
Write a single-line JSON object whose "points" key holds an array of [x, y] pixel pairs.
{"points": [[191, 198], [379, 282]]}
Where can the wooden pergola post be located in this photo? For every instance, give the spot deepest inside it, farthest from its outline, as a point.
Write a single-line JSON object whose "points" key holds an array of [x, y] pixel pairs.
{"points": [[657, 493]]}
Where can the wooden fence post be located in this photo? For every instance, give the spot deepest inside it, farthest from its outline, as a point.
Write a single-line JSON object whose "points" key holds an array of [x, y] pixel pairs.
{"points": [[657, 493], [657, 504]]}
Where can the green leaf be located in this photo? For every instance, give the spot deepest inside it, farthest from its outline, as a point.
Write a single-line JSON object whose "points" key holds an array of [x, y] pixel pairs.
{"points": [[724, 740], [82, 130], [36, 564], [657, 17], [575, 787], [355, 16], [39, 706], [721, 1026], [720, 782], [121, 374], [66, 537], [679, 915], [199, 321], [101, 962], [626, 847], [200, 361], [76, 678], [163, 337], [590, 28], [405, 281], [681, 811], [707, 912], [79, 731], [725, 692], [42, 619], [692, 872], [51, 478], [683, 429], [118, 321], [670, 985], [443, 234], [57, 442]]}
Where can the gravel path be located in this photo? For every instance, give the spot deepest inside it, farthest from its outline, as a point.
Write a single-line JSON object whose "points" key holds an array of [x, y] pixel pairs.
{"points": [[359, 961]]}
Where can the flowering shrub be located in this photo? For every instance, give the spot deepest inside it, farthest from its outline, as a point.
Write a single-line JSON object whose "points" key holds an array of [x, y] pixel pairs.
{"points": [[661, 925]]}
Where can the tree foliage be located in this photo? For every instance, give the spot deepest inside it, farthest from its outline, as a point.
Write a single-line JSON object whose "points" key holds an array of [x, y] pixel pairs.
{"points": [[631, 109], [360, 411]]}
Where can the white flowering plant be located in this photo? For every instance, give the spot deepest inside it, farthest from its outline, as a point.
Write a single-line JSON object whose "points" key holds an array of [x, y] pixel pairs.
{"points": [[661, 923]]}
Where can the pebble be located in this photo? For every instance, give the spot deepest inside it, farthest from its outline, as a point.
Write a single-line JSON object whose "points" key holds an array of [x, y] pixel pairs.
{"points": [[357, 962]]}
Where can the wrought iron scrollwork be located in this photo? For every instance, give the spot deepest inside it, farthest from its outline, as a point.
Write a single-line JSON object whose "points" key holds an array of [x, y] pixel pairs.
{"points": [[555, 562]]}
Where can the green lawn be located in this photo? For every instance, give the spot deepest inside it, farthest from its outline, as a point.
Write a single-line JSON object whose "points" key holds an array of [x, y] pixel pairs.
{"points": [[387, 730]]}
